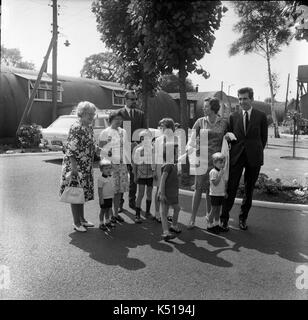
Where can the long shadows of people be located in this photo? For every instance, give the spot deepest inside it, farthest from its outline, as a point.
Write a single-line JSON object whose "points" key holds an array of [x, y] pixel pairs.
{"points": [[113, 248]]}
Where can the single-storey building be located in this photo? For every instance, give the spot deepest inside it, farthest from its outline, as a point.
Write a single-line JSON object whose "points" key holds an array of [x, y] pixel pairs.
{"points": [[16, 86]]}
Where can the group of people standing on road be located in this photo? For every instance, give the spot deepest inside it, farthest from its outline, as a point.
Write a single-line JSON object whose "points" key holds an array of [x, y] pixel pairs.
{"points": [[232, 145]]}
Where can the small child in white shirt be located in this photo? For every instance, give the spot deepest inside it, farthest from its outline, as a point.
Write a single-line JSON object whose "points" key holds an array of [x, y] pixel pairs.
{"points": [[217, 192], [105, 186]]}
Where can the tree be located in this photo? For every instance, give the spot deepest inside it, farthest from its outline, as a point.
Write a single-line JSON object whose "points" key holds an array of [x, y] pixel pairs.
{"points": [[263, 30], [12, 57], [103, 66], [170, 83], [114, 22], [182, 32], [297, 14]]}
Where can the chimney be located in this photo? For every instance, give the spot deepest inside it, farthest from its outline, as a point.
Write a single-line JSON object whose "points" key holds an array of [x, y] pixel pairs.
{"points": [[197, 88]]}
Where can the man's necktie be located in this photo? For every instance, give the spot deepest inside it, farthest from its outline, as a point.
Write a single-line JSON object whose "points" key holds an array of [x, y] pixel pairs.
{"points": [[246, 122], [131, 113]]}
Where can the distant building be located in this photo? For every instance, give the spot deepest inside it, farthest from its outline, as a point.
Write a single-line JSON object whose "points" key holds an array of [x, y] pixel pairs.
{"points": [[16, 86]]}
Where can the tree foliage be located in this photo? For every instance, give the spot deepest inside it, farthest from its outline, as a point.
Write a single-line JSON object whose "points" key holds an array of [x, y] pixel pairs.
{"points": [[170, 83], [297, 14], [12, 57], [103, 66], [155, 37], [264, 31]]}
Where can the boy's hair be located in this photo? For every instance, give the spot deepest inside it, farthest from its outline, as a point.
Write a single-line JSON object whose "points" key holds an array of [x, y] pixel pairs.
{"points": [[104, 163], [168, 122], [218, 156]]}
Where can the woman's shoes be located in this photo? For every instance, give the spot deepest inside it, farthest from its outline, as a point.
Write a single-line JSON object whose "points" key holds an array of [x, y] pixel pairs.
{"points": [[87, 224], [191, 225], [80, 228]]}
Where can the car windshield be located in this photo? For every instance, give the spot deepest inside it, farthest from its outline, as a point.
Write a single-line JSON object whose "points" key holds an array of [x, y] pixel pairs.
{"points": [[63, 123]]}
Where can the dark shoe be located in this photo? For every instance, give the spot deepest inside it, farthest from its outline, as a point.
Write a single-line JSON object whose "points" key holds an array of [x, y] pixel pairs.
{"points": [[110, 225], [213, 230], [175, 229], [224, 226], [120, 209], [138, 219], [168, 236], [169, 218], [119, 219], [103, 227], [113, 219], [243, 225]]}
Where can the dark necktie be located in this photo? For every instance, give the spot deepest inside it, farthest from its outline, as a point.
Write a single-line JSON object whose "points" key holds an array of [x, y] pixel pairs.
{"points": [[131, 113], [246, 122]]}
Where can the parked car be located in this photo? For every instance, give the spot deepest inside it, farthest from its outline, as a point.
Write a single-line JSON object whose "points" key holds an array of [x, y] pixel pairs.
{"points": [[55, 136]]}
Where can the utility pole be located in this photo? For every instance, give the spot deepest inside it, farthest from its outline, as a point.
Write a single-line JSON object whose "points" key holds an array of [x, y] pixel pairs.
{"points": [[286, 105], [54, 58]]}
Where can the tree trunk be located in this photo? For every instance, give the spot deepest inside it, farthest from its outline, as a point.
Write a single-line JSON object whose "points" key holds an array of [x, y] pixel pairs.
{"points": [[275, 122], [145, 98], [183, 110]]}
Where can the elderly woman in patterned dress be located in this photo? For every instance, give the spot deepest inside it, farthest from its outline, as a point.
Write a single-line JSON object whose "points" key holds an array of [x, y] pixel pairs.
{"points": [[78, 160], [216, 128], [114, 145]]}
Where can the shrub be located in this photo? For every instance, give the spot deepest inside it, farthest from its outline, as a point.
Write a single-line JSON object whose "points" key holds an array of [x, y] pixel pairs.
{"points": [[29, 136]]}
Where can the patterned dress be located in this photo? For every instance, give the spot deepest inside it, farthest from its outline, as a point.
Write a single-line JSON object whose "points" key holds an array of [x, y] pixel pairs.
{"points": [[80, 145]]}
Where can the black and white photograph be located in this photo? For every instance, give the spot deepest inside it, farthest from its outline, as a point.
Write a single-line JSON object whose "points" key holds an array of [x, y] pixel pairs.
{"points": [[154, 151]]}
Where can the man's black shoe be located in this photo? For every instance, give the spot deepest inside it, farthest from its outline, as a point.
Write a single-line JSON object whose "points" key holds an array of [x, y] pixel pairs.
{"points": [[243, 225], [224, 226]]}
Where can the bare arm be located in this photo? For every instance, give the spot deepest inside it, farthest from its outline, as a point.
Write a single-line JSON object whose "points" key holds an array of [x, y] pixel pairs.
{"points": [[100, 195]]}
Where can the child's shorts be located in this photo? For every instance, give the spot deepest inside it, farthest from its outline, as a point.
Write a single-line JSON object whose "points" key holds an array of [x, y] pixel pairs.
{"points": [[217, 200], [145, 181], [107, 204]]}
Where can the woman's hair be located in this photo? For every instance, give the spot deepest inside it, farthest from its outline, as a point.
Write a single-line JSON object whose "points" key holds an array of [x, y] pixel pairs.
{"points": [[114, 114], [246, 90], [213, 103], [85, 107], [168, 123], [218, 156]]}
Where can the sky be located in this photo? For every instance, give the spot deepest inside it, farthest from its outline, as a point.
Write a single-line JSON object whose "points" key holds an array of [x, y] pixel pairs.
{"points": [[26, 25]]}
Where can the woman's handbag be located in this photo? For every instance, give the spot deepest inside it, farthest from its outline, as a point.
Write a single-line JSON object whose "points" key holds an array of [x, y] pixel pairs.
{"points": [[73, 195]]}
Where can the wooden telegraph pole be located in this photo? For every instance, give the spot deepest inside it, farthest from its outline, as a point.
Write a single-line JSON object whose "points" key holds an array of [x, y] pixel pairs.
{"points": [[286, 105], [54, 58]]}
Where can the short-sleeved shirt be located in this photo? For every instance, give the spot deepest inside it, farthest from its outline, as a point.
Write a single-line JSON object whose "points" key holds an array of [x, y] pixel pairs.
{"points": [[107, 184], [172, 182], [220, 188]]}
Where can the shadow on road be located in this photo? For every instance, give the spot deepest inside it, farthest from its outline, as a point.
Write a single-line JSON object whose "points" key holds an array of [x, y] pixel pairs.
{"points": [[112, 248]]}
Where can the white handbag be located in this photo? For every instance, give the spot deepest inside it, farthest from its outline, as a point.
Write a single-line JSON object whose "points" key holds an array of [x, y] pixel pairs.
{"points": [[73, 195]]}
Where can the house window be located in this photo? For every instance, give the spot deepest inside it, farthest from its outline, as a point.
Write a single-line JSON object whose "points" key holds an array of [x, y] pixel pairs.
{"points": [[118, 98], [44, 91]]}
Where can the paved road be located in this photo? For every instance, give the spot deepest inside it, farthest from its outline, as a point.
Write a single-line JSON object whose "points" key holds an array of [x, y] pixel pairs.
{"points": [[47, 260]]}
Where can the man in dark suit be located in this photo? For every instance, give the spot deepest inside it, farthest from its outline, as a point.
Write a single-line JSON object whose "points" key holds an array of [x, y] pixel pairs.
{"points": [[136, 117], [250, 128]]}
